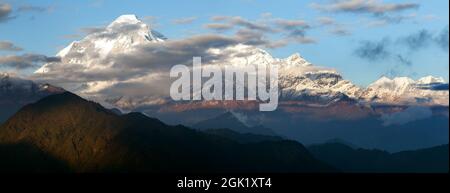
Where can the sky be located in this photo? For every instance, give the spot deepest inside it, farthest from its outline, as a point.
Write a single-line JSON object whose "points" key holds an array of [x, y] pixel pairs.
{"points": [[362, 39]]}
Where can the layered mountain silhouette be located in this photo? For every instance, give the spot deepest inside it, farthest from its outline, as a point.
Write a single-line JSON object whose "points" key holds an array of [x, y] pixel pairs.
{"points": [[230, 121], [70, 133], [349, 159], [242, 137]]}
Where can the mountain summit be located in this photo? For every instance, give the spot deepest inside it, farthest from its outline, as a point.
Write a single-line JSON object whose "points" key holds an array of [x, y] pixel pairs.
{"points": [[428, 90], [120, 37]]}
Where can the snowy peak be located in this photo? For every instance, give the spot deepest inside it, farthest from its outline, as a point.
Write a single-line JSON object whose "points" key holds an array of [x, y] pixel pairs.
{"points": [[297, 60], [396, 83], [430, 80], [129, 19], [406, 91], [401, 82], [131, 24], [123, 35]]}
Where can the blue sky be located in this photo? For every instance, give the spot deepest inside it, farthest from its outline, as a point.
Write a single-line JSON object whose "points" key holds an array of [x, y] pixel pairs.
{"points": [[45, 26]]}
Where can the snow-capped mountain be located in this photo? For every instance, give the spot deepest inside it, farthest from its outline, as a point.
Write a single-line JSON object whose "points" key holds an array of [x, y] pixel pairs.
{"points": [[406, 91], [299, 80], [122, 36]]}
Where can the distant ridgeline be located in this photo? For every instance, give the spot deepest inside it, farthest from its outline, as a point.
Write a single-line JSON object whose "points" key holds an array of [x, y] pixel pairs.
{"points": [[66, 133]]}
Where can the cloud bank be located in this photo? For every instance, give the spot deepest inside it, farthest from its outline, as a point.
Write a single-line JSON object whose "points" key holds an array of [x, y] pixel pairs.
{"points": [[375, 7], [5, 12], [26, 61], [9, 46], [385, 48]]}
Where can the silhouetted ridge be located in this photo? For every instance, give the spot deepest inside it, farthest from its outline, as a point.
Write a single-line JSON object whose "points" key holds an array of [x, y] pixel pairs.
{"points": [[229, 121], [346, 158], [88, 137]]}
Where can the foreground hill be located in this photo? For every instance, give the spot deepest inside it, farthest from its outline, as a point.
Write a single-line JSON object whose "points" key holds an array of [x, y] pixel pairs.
{"points": [[435, 159], [16, 92], [82, 136]]}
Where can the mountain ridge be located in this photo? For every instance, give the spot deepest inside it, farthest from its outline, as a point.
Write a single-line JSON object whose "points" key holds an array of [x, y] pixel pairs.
{"points": [[90, 138], [425, 160], [15, 92]]}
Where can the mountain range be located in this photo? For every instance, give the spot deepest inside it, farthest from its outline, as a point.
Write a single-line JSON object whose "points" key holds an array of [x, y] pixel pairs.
{"points": [[350, 159], [231, 121], [299, 79], [125, 66], [83, 136], [66, 133]]}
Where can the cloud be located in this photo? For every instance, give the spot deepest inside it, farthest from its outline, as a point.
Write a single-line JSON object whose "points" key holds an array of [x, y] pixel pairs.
{"points": [[219, 27], [32, 8], [91, 30], [424, 38], [237, 21], [326, 21], [150, 20], [96, 3], [186, 20], [403, 60], [258, 32], [442, 39], [418, 40], [249, 25], [266, 15], [257, 38], [5, 12], [383, 13], [295, 30], [340, 31], [9, 46], [164, 56], [219, 18], [292, 24], [144, 60], [410, 114], [335, 28], [375, 7], [373, 50], [414, 42], [26, 61], [85, 31]]}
